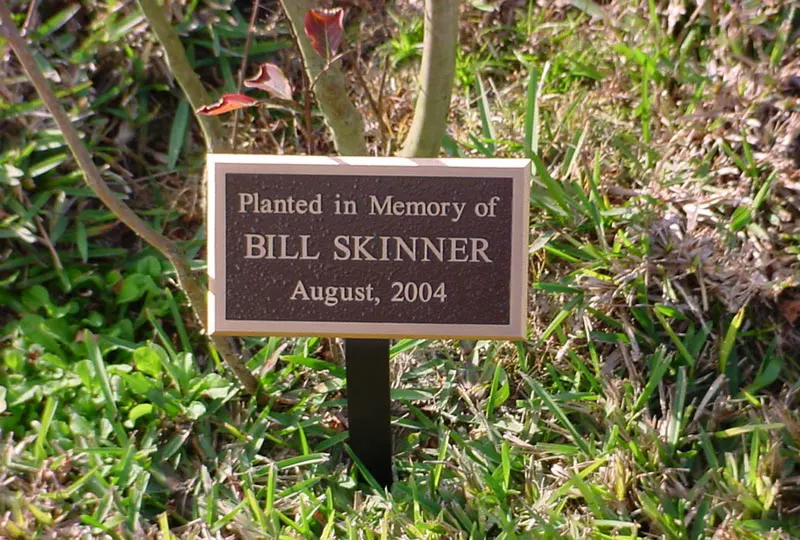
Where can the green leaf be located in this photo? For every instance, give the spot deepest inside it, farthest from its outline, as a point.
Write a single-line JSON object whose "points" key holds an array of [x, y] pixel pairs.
{"points": [[585, 70], [560, 415], [685, 354], [139, 384], [773, 365], [134, 287], [140, 410], [118, 29], [178, 133], [299, 461], [316, 364], [747, 428], [84, 369], [531, 143], [147, 361], [14, 359], [82, 241], [36, 329], [730, 339], [80, 425], [174, 444], [47, 164], [411, 394], [741, 218], [149, 266], [499, 391], [660, 363], [212, 385], [541, 241], [669, 311], [50, 406], [10, 175], [100, 367], [165, 400], [195, 410], [677, 410], [553, 186], [487, 127], [35, 297], [58, 20]]}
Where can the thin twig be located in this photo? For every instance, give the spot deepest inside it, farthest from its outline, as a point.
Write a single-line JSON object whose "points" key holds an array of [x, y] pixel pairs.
{"points": [[383, 128], [307, 113], [283, 104], [28, 19], [381, 89], [383, 79], [46, 239], [330, 63], [194, 291], [243, 67]]}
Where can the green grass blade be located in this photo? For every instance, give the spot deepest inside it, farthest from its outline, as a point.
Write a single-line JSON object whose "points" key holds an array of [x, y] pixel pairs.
{"points": [[363, 470], [50, 406], [730, 339], [487, 128], [531, 143], [100, 368], [684, 352], [748, 428], [177, 134], [227, 518], [560, 415], [660, 364], [553, 187], [560, 318], [677, 409]]}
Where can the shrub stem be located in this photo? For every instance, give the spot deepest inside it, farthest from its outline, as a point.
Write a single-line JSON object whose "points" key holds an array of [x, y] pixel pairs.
{"points": [[424, 138], [330, 88], [182, 71]]}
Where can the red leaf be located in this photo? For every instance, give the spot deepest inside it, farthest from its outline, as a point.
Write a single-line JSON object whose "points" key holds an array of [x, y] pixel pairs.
{"points": [[324, 28], [271, 79], [227, 103]]}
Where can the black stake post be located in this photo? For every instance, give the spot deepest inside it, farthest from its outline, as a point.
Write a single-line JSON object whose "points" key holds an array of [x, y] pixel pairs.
{"points": [[367, 362]]}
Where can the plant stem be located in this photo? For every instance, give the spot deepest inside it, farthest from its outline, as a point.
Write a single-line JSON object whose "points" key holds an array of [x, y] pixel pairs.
{"points": [[341, 116], [436, 79], [194, 291], [182, 71], [242, 67]]}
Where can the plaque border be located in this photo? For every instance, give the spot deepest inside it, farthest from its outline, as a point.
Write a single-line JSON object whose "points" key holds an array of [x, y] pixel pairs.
{"points": [[218, 165]]}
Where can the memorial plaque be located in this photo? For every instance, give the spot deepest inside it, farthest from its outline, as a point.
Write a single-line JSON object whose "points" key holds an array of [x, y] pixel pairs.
{"points": [[367, 247]]}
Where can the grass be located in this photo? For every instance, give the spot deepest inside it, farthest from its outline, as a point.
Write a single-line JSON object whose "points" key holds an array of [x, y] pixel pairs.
{"points": [[656, 394]]}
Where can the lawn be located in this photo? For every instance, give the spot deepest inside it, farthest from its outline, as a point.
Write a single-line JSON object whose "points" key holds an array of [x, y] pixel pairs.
{"points": [[657, 394]]}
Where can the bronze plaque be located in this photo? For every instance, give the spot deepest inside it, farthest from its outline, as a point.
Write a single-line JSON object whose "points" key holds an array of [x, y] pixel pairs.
{"points": [[367, 247]]}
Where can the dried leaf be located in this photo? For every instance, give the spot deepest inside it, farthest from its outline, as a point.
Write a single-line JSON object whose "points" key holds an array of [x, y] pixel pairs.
{"points": [[227, 103], [790, 310], [271, 79], [324, 27]]}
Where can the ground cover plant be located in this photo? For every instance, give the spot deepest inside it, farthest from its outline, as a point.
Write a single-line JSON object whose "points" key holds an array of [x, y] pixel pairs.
{"points": [[656, 395]]}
